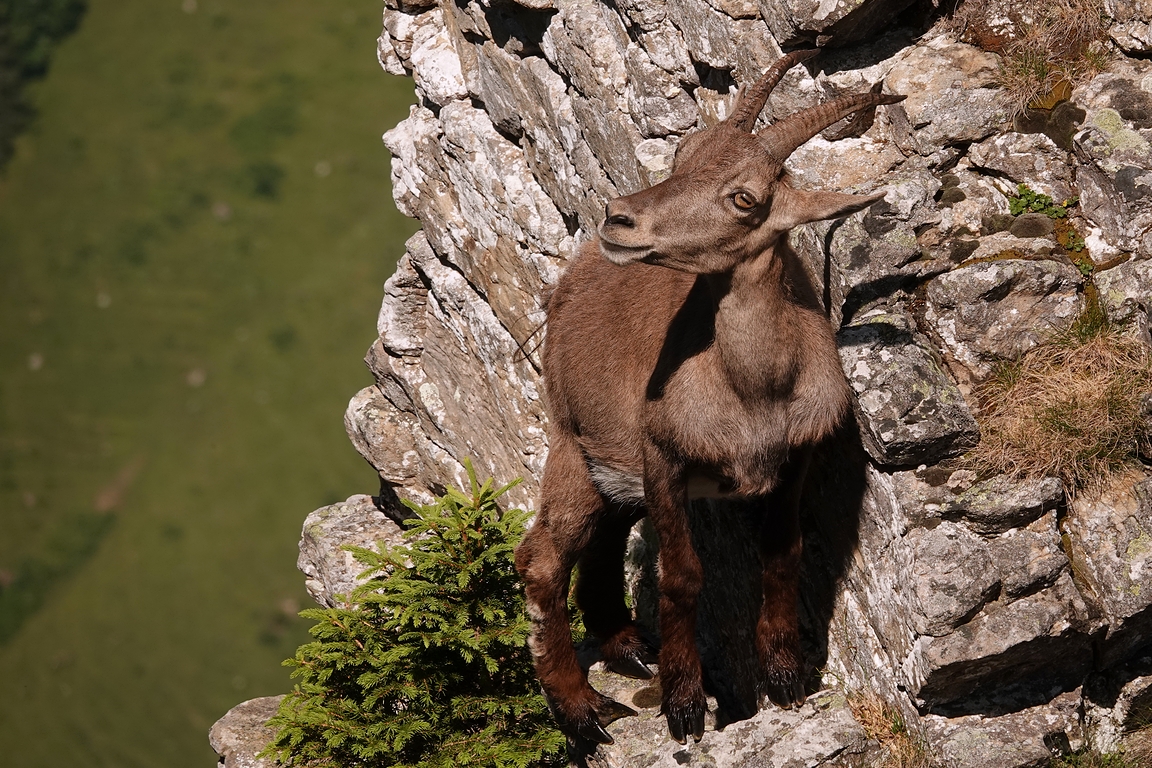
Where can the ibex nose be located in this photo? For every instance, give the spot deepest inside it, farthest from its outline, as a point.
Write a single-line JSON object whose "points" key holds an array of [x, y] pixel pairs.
{"points": [[614, 214]]}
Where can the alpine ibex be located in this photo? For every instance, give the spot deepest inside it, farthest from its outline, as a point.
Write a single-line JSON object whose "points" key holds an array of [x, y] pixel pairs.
{"points": [[687, 356]]}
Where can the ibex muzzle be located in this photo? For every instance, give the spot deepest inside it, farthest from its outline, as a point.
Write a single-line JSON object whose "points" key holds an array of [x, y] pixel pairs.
{"points": [[686, 353]]}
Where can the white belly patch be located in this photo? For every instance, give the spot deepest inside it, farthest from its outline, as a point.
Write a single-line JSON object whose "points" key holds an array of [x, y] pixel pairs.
{"points": [[618, 485], [628, 488]]}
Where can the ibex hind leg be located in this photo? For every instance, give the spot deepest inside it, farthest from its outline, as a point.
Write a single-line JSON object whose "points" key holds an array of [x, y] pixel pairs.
{"points": [[600, 595], [569, 511], [778, 630], [681, 578]]}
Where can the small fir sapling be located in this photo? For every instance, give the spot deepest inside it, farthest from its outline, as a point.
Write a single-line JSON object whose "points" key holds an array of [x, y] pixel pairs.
{"points": [[425, 664]]}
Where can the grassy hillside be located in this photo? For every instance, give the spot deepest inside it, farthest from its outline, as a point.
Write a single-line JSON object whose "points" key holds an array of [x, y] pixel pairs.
{"points": [[193, 236], [29, 31]]}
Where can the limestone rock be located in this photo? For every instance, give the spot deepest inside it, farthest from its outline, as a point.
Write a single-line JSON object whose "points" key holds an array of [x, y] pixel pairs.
{"points": [[991, 506], [968, 200], [953, 576], [1117, 702], [910, 408], [1029, 558], [525, 95], [437, 413], [1027, 158], [395, 44], [1003, 246], [487, 215], [384, 435], [329, 570], [794, 22], [1131, 28], [1039, 638], [820, 733], [855, 539], [844, 164], [875, 254], [1022, 738], [1126, 292], [1114, 154], [928, 608], [435, 65], [241, 734], [1000, 309], [1111, 545], [950, 90]]}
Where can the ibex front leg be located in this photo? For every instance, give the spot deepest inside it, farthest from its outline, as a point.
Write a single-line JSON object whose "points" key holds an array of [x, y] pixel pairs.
{"points": [[681, 577], [778, 631], [570, 509]]}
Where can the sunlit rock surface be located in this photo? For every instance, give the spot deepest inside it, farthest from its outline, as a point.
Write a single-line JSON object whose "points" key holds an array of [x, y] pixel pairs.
{"points": [[241, 734], [330, 571], [910, 409], [994, 310]]}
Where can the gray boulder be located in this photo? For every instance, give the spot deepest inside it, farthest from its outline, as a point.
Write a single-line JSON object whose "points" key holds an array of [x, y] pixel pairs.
{"points": [[795, 22], [1126, 293], [1023, 738], [1029, 559], [990, 506], [241, 735], [1131, 27], [996, 310], [952, 574], [1114, 155], [874, 255], [1117, 703], [329, 570], [822, 733], [950, 90], [1026, 158], [910, 409], [1110, 544]]}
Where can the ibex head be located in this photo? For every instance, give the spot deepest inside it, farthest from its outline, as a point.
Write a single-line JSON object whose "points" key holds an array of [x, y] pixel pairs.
{"points": [[727, 199]]}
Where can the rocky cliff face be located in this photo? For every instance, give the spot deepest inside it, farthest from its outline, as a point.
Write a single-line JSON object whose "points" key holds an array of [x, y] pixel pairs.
{"points": [[1002, 618]]}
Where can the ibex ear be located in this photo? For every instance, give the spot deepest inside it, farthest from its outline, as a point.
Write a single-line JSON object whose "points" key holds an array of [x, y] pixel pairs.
{"points": [[793, 207]]}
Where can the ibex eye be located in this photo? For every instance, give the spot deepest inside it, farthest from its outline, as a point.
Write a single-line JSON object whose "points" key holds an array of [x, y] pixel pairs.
{"points": [[744, 200]]}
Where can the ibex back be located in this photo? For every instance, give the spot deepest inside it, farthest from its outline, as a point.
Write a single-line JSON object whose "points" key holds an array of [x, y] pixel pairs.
{"points": [[687, 355]]}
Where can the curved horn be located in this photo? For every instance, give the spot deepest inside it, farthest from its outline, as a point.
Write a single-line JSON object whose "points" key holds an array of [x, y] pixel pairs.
{"points": [[752, 101], [782, 138]]}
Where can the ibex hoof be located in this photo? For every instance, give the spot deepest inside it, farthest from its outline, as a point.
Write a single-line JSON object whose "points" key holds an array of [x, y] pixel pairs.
{"points": [[684, 720], [587, 728], [630, 666], [594, 732], [610, 710], [786, 694], [628, 654], [590, 727]]}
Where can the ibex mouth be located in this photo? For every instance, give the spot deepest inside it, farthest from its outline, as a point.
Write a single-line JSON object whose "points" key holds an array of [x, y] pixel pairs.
{"points": [[622, 254]]}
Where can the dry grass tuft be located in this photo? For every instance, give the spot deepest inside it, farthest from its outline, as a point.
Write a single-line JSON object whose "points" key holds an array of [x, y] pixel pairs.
{"points": [[1048, 47], [884, 723], [1088, 758], [1071, 408], [1137, 740], [1138, 747]]}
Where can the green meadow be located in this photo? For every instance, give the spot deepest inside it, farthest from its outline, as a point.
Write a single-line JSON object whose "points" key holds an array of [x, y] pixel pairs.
{"points": [[193, 237]]}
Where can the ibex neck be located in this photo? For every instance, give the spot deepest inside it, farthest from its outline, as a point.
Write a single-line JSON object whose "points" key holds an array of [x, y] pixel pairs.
{"points": [[757, 335]]}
